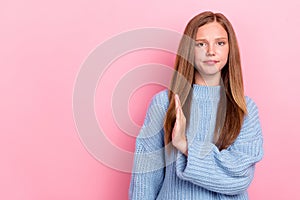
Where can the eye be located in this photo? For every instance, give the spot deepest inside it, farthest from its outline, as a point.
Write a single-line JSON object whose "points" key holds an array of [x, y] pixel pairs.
{"points": [[201, 44], [221, 43]]}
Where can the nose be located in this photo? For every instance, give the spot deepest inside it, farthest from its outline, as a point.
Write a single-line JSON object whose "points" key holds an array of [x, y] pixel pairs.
{"points": [[210, 50]]}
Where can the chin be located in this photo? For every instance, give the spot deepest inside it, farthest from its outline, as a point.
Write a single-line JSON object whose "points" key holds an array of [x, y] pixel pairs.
{"points": [[209, 72]]}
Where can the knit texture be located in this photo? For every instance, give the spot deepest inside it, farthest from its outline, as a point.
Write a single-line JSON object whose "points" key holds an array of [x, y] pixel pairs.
{"points": [[206, 173]]}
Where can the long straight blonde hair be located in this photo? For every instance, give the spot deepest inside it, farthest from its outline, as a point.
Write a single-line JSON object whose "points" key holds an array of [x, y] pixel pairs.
{"points": [[232, 82]]}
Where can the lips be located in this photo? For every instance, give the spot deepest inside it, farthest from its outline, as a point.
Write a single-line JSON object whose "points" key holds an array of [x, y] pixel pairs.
{"points": [[210, 62]]}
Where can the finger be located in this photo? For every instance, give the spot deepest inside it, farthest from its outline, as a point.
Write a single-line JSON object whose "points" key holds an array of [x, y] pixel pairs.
{"points": [[180, 111], [177, 113], [174, 129], [177, 107], [181, 116], [176, 101]]}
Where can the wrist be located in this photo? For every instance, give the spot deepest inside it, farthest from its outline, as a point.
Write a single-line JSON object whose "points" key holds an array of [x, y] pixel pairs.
{"points": [[183, 147]]}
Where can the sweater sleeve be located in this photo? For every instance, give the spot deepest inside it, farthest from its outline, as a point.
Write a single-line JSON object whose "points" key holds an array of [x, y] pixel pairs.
{"points": [[229, 171], [149, 164]]}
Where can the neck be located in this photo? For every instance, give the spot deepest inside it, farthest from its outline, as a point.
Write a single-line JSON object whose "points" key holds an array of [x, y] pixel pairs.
{"points": [[207, 80]]}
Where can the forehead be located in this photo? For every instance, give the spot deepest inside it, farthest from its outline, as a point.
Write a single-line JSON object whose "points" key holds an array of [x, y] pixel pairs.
{"points": [[211, 30]]}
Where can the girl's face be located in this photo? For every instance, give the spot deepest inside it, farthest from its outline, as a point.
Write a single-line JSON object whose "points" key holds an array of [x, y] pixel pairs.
{"points": [[211, 50]]}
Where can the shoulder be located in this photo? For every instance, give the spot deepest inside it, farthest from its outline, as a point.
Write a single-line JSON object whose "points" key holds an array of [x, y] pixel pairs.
{"points": [[251, 105], [252, 108], [251, 125], [160, 99], [250, 138], [151, 134], [157, 109]]}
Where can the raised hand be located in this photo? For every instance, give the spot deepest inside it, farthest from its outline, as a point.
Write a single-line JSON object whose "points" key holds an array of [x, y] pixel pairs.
{"points": [[178, 134]]}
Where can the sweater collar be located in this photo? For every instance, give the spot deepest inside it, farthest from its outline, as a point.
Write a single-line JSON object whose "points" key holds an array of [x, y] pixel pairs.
{"points": [[206, 92]]}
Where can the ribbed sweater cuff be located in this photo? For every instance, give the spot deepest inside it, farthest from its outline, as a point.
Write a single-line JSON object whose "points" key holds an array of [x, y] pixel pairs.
{"points": [[197, 152]]}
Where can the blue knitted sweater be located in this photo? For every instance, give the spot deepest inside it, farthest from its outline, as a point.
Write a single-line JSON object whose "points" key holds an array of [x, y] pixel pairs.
{"points": [[206, 173]]}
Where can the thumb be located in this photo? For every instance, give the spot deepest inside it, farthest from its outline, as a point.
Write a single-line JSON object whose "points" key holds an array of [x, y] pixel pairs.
{"points": [[176, 101]]}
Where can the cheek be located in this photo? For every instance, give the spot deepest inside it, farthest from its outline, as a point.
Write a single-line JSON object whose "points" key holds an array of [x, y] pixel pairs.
{"points": [[199, 54], [224, 55]]}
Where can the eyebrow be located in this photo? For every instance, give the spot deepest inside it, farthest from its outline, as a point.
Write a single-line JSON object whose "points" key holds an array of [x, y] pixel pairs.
{"points": [[219, 38]]}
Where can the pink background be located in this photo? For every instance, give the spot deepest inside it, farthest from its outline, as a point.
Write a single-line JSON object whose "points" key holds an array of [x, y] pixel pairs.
{"points": [[43, 44]]}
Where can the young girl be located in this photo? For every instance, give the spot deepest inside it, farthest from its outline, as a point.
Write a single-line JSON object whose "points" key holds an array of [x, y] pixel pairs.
{"points": [[202, 138]]}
